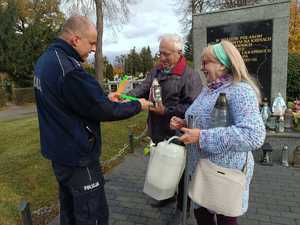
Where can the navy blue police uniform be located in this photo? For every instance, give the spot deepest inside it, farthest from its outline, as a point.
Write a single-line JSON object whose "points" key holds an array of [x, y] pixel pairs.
{"points": [[71, 104]]}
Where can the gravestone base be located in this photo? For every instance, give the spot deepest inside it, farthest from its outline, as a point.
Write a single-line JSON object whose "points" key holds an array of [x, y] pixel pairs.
{"points": [[277, 141]]}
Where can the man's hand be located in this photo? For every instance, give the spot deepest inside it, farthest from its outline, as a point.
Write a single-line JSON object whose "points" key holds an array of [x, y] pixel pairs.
{"points": [[159, 108], [189, 135], [114, 97], [177, 123], [145, 103]]}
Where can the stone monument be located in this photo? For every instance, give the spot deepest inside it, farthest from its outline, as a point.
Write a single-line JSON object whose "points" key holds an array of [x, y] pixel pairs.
{"points": [[260, 32]]}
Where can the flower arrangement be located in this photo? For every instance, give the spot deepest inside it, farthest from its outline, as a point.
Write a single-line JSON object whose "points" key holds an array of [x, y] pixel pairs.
{"points": [[296, 113]]}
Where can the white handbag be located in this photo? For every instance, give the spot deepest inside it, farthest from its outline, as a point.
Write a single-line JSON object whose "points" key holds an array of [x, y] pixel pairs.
{"points": [[218, 189]]}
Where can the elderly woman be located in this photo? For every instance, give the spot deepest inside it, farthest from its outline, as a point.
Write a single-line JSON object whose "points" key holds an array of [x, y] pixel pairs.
{"points": [[228, 147]]}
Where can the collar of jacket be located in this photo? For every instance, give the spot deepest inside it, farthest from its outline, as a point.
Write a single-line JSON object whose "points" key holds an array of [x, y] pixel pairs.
{"points": [[67, 48], [178, 69]]}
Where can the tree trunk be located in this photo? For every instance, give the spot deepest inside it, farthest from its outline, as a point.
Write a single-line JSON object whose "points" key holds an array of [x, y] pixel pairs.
{"points": [[99, 58]]}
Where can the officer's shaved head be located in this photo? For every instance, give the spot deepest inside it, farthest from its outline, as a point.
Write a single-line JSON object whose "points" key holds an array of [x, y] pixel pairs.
{"points": [[77, 25], [81, 34]]}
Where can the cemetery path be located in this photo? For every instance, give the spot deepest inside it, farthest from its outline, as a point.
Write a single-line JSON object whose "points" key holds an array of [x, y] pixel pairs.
{"points": [[12, 112], [274, 196]]}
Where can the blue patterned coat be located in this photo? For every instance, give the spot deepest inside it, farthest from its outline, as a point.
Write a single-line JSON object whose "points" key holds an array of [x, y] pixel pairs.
{"points": [[228, 146]]}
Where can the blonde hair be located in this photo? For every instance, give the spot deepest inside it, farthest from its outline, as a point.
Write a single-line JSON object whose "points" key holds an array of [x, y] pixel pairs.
{"points": [[238, 68]]}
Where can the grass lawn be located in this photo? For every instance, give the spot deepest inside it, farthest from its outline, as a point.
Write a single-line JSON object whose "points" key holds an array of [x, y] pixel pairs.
{"points": [[25, 174]]}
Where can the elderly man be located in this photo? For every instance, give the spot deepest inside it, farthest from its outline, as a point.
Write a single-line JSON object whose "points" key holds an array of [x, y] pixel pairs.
{"points": [[180, 85], [71, 105]]}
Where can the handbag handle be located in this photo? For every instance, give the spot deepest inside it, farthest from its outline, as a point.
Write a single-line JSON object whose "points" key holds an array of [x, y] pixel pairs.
{"points": [[172, 138], [175, 140]]}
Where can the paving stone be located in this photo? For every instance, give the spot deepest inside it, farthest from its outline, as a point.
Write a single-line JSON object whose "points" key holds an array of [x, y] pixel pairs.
{"points": [[267, 212], [137, 219], [285, 221], [274, 196], [122, 223], [259, 217], [290, 215]]}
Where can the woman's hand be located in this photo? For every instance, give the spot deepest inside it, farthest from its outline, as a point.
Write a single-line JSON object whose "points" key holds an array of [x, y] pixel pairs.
{"points": [[189, 135], [177, 123]]}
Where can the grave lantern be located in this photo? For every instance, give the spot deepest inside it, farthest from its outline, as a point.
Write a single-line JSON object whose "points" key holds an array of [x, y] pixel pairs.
{"points": [[267, 155]]}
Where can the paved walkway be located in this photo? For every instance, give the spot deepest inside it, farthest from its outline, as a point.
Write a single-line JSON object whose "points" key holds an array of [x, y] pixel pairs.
{"points": [[12, 112], [274, 196]]}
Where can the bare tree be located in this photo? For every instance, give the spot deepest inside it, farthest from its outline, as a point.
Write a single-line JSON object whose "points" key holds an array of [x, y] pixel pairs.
{"points": [[187, 7], [114, 13]]}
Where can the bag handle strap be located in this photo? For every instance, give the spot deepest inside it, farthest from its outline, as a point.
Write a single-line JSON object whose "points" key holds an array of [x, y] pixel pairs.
{"points": [[175, 140], [172, 138], [244, 170]]}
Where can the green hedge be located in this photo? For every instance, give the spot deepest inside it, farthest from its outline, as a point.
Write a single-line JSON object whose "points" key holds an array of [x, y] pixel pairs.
{"points": [[293, 78]]}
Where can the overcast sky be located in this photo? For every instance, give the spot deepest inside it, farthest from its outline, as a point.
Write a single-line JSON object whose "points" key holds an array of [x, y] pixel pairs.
{"points": [[148, 20]]}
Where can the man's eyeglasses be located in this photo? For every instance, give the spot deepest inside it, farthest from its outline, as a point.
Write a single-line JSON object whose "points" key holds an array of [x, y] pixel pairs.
{"points": [[164, 54], [167, 54]]}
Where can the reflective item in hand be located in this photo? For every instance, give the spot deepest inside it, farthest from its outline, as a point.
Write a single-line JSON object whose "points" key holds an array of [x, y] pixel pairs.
{"points": [[156, 91]]}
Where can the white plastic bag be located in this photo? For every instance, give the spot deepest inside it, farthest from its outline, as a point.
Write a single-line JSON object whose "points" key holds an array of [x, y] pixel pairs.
{"points": [[165, 168]]}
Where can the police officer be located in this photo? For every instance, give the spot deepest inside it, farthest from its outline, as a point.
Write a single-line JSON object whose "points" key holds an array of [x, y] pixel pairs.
{"points": [[71, 105]]}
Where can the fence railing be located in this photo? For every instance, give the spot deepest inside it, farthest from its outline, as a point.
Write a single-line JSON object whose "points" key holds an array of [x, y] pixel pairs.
{"points": [[25, 213]]}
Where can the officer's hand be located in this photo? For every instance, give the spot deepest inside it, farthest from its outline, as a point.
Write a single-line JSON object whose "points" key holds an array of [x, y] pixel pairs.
{"points": [[177, 123], [159, 108], [145, 103], [114, 97]]}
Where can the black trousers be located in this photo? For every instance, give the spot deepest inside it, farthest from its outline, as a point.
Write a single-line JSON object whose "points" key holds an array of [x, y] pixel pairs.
{"points": [[81, 194], [204, 217], [180, 193]]}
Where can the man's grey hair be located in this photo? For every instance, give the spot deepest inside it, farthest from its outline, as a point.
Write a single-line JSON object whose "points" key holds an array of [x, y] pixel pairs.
{"points": [[175, 38]]}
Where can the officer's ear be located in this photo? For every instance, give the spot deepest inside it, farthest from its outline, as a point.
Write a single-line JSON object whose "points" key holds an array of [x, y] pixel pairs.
{"points": [[75, 39]]}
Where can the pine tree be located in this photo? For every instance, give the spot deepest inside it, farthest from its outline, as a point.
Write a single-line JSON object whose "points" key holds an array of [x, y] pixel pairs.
{"points": [[8, 37], [29, 27], [108, 70], [149, 60], [188, 47], [146, 60]]}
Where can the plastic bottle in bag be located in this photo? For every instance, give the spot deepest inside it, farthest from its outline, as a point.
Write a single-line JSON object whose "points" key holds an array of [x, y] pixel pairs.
{"points": [[220, 114]]}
